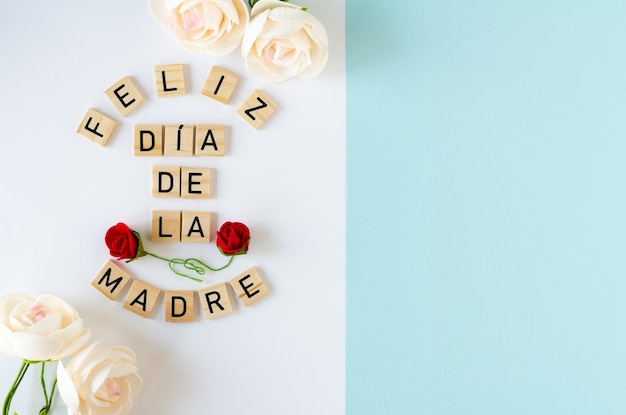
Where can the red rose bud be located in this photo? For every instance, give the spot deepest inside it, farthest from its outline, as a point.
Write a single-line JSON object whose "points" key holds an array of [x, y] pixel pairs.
{"points": [[123, 242], [233, 238]]}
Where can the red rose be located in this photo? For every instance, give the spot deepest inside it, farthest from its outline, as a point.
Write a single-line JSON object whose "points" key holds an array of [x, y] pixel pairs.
{"points": [[233, 238], [122, 242]]}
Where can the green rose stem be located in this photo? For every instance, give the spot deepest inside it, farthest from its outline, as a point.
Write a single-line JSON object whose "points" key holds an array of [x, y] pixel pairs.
{"points": [[48, 398], [253, 2], [192, 264], [16, 383]]}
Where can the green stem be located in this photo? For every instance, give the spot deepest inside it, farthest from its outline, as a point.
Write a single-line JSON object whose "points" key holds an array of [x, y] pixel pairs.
{"points": [[14, 386], [189, 260], [43, 382], [190, 264], [48, 398]]}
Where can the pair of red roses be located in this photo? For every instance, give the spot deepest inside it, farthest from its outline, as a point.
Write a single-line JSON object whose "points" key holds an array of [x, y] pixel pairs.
{"points": [[233, 238]]}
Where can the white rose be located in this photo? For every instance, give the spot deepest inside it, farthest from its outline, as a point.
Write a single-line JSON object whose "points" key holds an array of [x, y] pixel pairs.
{"points": [[212, 26], [38, 329], [99, 381], [283, 41]]}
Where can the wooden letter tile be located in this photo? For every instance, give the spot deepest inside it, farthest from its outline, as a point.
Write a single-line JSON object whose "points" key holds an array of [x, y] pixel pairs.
{"points": [[111, 280], [179, 306], [249, 287], [210, 139], [220, 84], [256, 109], [125, 96], [165, 226], [196, 183], [196, 227], [179, 140], [97, 127], [170, 80], [165, 181], [216, 301], [148, 140], [141, 298]]}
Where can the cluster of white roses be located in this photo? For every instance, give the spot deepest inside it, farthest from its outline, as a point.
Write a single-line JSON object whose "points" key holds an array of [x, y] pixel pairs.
{"points": [[278, 40], [95, 380]]}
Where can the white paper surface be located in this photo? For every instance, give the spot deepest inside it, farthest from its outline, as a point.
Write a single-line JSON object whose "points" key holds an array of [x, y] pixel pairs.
{"points": [[61, 192]]}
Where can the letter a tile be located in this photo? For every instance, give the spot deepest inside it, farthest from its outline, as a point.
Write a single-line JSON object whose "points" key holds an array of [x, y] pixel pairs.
{"points": [[196, 226], [210, 139], [141, 298]]}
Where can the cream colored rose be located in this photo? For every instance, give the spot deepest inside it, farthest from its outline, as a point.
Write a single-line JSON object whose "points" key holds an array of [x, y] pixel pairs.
{"points": [[212, 26], [283, 41], [38, 329], [99, 381]]}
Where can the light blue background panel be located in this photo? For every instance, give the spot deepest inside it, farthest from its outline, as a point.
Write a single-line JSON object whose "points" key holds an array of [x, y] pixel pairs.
{"points": [[486, 210]]}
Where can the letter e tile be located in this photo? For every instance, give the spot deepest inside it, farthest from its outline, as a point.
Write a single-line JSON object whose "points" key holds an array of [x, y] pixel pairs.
{"points": [[125, 96], [249, 287]]}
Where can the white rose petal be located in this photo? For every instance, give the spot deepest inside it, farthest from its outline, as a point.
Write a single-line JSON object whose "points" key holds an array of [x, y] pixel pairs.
{"points": [[283, 41], [99, 380], [212, 26], [39, 329]]}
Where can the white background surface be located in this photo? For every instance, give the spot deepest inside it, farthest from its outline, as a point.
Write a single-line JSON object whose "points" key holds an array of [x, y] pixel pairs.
{"points": [[284, 355]]}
